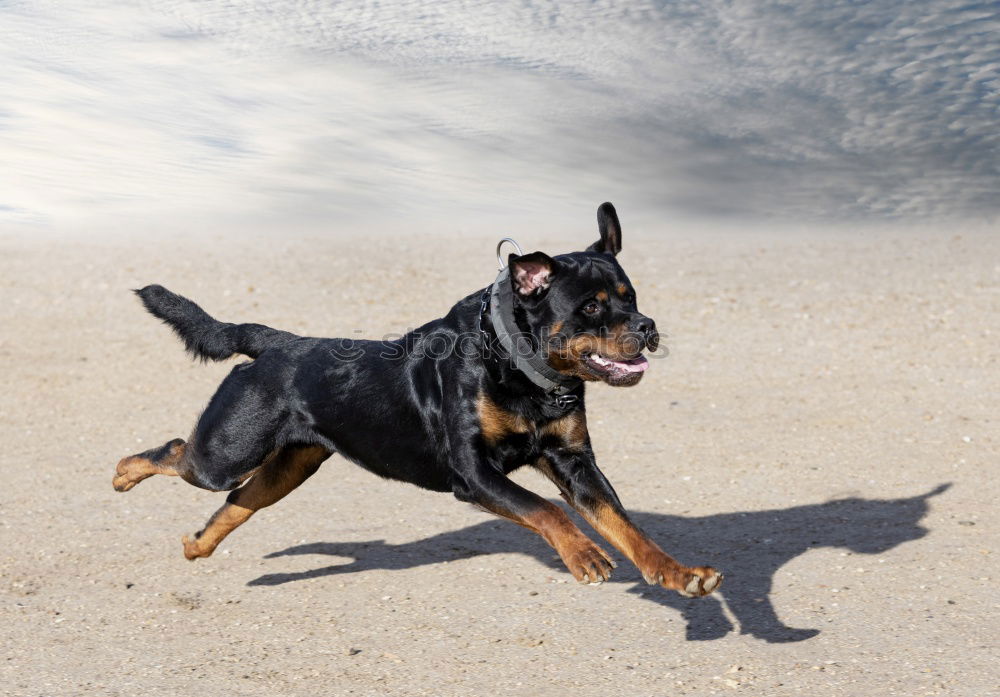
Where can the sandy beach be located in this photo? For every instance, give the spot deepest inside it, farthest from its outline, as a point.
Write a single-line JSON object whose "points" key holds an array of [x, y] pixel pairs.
{"points": [[824, 430]]}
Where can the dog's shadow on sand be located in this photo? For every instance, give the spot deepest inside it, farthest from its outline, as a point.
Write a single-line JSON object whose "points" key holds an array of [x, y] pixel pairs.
{"points": [[748, 547]]}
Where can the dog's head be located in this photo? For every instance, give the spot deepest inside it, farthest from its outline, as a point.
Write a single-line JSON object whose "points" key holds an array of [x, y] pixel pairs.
{"points": [[581, 308]]}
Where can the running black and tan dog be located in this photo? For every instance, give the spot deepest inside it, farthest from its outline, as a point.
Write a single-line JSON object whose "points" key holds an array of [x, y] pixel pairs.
{"points": [[455, 405]]}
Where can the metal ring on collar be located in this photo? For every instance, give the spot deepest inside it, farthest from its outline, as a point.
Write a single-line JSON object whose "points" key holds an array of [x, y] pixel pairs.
{"points": [[500, 244]]}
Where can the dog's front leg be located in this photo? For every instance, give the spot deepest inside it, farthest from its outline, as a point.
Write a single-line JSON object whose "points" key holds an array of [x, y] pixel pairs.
{"points": [[586, 488], [479, 483]]}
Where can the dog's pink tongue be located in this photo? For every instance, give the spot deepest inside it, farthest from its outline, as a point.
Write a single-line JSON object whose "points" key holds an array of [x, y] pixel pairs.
{"points": [[636, 365]]}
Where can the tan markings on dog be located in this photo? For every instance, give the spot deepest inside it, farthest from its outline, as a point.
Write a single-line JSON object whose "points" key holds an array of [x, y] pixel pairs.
{"points": [[135, 468], [602, 295], [567, 358], [496, 422], [571, 429], [556, 328], [652, 561], [584, 559], [552, 523], [619, 531], [275, 479], [622, 289]]}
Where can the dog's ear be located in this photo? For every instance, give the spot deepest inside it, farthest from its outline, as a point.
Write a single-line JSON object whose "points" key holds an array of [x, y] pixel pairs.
{"points": [[531, 274], [611, 231]]}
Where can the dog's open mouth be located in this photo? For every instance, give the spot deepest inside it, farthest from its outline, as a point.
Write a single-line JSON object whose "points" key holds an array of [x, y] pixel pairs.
{"points": [[615, 370]]}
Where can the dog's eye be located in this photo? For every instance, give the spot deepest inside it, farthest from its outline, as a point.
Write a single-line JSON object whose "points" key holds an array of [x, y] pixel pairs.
{"points": [[592, 308]]}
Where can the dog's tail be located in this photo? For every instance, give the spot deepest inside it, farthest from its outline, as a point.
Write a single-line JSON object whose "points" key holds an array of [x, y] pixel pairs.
{"points": [[206, 337]]}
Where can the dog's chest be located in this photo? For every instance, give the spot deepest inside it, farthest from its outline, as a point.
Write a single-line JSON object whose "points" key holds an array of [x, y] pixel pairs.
{"points": [[516, 440]]}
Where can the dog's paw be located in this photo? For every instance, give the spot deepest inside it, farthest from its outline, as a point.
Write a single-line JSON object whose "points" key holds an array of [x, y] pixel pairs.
{"points": [[129, 472], [589, 563], [702, 581], [689, 582], [193, 550]]}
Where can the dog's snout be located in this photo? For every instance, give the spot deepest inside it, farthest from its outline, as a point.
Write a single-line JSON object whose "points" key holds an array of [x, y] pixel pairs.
{"points": [[643, 325], [645, 328]]}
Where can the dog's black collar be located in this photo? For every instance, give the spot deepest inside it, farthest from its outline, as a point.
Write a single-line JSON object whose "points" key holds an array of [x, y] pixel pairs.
{"points": [[498, 304]]}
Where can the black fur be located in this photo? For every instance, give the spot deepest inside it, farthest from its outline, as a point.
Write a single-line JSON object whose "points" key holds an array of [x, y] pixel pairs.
{"points": [[206, 337], [610, 229]]}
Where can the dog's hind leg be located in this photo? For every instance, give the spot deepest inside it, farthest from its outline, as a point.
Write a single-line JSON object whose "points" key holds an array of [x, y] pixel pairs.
{"points": [[275, 479], [167, 459]]}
